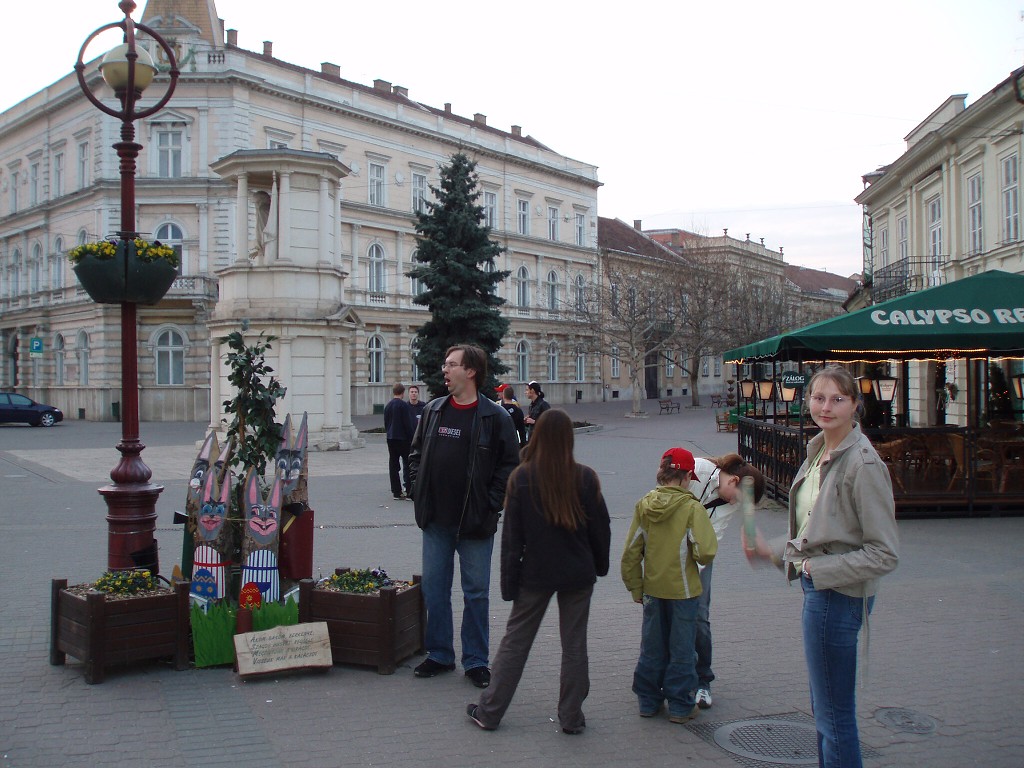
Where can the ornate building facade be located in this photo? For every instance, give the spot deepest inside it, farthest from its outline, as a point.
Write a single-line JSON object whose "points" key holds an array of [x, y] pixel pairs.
{"points": [[290, 194]]}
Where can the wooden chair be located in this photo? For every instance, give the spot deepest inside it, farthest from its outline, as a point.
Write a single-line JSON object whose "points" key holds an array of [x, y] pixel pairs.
{"points": [[985, 464], [716, 401], [722, 421]]}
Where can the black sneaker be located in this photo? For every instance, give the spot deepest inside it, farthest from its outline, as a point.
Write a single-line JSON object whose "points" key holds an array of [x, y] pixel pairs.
{"points": [[471, 710], [481, 676], [431, 668]]}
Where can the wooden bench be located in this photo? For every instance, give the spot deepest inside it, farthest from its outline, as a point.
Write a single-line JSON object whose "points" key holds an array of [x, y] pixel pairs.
{"points": [[716, 401], [668, 406]]}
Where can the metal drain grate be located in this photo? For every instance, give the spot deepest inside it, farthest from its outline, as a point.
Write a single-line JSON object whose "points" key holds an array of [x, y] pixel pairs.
{"points": [[905, 720], [787, 739], [780, 742]]}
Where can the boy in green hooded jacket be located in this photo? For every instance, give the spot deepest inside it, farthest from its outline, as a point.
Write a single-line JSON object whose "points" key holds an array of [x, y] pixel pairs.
{"points": [[670, 534]]}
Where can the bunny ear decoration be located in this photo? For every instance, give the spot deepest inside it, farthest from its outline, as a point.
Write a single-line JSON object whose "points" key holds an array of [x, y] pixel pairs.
{"points": [[274, 502], [201, 467], [252, 492], [209, 487], [286, 433], [302, 437]]}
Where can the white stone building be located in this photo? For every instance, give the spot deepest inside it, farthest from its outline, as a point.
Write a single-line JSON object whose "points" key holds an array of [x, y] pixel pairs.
{"points": [[947, 208], [290, 194]]}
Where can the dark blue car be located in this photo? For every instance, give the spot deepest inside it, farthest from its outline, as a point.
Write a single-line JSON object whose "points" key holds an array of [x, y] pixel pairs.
{"points": [[18, 408]]}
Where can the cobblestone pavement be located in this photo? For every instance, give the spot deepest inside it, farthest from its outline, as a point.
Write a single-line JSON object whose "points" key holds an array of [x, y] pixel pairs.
{"points": [[941, 685]]}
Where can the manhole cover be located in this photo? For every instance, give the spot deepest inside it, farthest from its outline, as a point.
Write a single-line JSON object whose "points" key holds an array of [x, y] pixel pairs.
{"points": [[785, 742], [905, 720]]}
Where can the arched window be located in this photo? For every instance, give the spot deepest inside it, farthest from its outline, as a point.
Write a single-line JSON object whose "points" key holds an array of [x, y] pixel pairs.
{"points": [[416, 287], [490, 269], [83, 237], [82, 343], [581, 293], [169, 350], [375, 356], [523, 361], [57, 273], [58, 360], [14, 283], [553, 361], [36, 284], [523, 288], [414, 350], [171, 235], [581, 363], [551, 287], [375, 269]]}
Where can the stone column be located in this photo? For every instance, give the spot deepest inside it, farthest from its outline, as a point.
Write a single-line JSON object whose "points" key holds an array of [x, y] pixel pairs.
{"points": [[215, 389], [242, 220], [284, 217], [325, 221]]}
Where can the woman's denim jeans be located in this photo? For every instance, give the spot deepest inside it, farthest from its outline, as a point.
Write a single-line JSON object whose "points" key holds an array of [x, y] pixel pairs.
{"points": [[666, 669], [440, 544], [831, 623]]}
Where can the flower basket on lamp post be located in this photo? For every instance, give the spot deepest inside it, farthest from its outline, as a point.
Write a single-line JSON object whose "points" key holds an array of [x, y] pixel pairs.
{"points": [[128, 270]]}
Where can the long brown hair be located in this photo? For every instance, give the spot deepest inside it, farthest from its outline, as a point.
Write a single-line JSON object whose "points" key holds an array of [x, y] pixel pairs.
{"points": [[734, 464], [553, 471]]}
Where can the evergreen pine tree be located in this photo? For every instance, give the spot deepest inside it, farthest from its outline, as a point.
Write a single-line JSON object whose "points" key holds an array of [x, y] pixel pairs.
{"points": [[454, 247]]}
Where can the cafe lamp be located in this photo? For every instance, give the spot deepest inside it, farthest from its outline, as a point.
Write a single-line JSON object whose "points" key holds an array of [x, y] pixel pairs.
{"points": [[1018, 385], [885, 388], [866, 385], [747, 388], [788, 393], [765, 389]]}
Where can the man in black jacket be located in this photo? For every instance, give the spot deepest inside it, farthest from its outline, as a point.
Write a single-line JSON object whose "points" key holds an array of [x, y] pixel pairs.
{"points": [[464, 449]]}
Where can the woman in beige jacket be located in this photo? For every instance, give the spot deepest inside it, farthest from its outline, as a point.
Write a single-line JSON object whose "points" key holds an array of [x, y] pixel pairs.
{"points": [[842, 538]]}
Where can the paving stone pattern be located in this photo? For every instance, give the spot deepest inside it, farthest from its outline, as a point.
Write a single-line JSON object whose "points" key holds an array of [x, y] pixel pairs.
{"points": [[947, 633]]}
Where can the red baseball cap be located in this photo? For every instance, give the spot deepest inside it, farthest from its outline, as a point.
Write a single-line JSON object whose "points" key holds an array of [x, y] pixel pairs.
{"points": [[501, 388], [682, 459]]}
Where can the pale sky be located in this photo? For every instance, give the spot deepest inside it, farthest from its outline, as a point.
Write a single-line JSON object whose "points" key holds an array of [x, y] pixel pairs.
{"points": [[757, 116]]}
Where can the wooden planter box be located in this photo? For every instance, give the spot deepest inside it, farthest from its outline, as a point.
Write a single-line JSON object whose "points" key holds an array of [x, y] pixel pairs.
{"points": [[370, 630], [102, 633]]}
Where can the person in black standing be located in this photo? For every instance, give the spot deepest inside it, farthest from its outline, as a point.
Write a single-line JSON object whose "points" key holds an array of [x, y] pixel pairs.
{"points": [[508, 402], [537, 405], [400, 424], [463, 452], [415, 403]]}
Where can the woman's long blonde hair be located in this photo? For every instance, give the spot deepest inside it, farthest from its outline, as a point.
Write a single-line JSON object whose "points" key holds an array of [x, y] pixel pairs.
{"points": [[554, 473]]}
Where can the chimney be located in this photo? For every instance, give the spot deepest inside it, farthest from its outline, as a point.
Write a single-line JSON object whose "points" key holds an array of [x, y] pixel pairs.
{"points": [[517, 130], [330, 69], [233, 37], [447, 107], [382, 85], [638, 225], [268, 49], [480, 118], [400, 90]]}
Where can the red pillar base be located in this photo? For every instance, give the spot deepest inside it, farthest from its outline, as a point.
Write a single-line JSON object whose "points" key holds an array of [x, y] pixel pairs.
{"points": [[131, 521]]}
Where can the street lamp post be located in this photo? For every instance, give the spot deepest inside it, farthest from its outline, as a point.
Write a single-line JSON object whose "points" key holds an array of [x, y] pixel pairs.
{"points": [[131, 498]]}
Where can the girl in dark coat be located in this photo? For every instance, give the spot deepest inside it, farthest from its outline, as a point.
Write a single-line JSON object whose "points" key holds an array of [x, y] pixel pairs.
{"points": [[555, 541]]}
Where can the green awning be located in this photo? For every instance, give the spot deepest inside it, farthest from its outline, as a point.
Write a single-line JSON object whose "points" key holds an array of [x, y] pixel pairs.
{"points": [[977, 316]]}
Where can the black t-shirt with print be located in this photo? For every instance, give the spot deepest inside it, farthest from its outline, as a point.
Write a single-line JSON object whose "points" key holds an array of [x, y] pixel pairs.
{"points": [[449, 460]]}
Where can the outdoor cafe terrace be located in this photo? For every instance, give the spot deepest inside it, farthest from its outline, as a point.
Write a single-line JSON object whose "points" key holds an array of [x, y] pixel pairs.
{"points": [[972, 468]]}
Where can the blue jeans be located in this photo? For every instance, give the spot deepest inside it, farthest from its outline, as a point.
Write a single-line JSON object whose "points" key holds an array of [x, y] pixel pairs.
{"points": [[440, 543], [831, 622], [665, 669], [703, 642]]}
